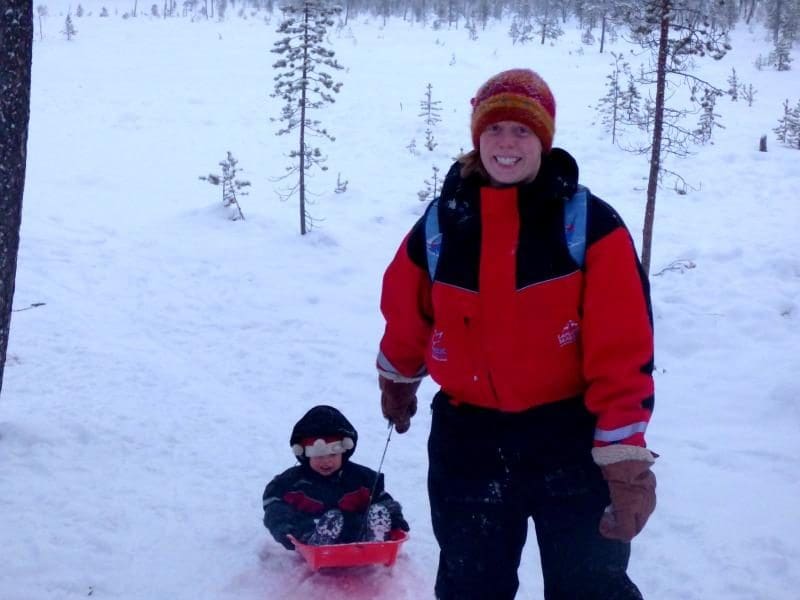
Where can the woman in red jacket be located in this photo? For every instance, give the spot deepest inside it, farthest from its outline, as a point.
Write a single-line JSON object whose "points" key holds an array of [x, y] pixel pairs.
{"points": [[544, 355]]}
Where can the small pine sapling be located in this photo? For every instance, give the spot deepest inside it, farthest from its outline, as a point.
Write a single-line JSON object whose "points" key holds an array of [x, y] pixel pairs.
{"points": [[782, 130], [708, 118], [69, 30], [749, 93], [733, 85], [431, 186], [231, 186], [430, 111], [341, 186], [521, 30], [793, 127], [610, 105], [41, 11], [781, 56]]}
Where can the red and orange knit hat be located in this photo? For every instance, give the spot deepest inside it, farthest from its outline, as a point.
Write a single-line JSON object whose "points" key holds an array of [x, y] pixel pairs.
{"points": [[515, 95]]}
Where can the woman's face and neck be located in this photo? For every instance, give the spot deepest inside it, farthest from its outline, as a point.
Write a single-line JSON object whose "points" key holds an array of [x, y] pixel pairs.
{"points": [[510, 152]]}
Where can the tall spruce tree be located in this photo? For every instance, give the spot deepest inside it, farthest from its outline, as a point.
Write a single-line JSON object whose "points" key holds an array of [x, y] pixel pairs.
{"points": [[16, 45], [304, 83]]}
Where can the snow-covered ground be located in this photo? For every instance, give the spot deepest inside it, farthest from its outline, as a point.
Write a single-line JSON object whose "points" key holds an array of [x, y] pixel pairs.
{"points": [[149, 400]]}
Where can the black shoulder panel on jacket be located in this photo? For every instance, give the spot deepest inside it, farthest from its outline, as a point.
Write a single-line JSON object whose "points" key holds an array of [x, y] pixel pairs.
{"points": [[601, 220], [460, 222]]}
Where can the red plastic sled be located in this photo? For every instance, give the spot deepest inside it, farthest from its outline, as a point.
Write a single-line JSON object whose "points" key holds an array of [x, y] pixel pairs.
{"points": [[356, 554]]}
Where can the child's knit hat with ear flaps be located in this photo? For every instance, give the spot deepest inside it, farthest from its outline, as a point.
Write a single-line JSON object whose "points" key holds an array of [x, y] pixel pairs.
{"points": [[321, 431], [519, 95]]}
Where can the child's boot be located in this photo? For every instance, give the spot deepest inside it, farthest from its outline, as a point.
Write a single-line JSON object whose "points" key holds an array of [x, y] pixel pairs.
{"points": [[329, 528], [379, 523]]}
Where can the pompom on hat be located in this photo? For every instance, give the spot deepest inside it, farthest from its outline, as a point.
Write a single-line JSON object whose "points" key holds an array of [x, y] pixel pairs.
{"points": [[322, 446], [321, 431], [519, 95]]}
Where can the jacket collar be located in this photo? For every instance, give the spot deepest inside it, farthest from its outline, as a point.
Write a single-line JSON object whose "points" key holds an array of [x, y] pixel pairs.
{"points": [[557, 178]]}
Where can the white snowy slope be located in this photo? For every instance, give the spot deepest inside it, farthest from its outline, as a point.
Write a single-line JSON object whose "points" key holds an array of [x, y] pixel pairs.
{"points": [[149, 400]]}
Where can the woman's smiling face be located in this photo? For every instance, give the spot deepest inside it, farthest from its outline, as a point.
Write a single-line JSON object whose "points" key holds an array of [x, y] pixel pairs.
{"points": [[510, 152]]}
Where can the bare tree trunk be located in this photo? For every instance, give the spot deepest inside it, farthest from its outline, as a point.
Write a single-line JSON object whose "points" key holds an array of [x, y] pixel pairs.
{"points": [[751, 10], [304, 85], [658, 126], [778, 20], [135, 5], [544, 23], [602, 32], [16, 46]]}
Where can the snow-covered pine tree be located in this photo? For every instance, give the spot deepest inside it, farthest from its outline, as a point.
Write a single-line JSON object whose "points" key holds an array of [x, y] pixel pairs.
{"points": [[788, 129], [547, 23], [781, 55], [748, 93], [604, 12], [69, 30], [783, 20], [305, 84], [631, 103], [708, 118], [430, 111], [611, 105], [472, 29], [41, 11], [793, 127], [482, 12], [782, 17], [675, 32], [231, 186], [521, 30], [431, 188], [782, 130], [733, 85]]}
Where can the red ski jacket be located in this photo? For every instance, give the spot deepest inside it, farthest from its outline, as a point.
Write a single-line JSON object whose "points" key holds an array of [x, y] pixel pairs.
{"points": [[510, 320]]}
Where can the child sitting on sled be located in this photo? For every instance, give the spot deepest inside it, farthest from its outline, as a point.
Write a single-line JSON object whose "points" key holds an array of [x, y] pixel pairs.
{"points": [[326, 499]]}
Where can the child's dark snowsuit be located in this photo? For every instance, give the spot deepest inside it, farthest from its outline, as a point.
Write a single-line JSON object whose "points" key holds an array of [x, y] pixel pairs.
{"points": [[296, 500]]}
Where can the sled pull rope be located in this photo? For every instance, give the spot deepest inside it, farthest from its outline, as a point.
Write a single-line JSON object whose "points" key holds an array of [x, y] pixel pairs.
{"points": [[375, 485]]}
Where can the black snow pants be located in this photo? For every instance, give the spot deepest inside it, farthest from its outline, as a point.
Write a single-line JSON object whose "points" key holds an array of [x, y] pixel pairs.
{"points": [[489, 472]]}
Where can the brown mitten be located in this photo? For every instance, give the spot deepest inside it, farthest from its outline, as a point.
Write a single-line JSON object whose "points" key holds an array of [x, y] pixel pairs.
{"points": [[398, 401], [632, 487]]}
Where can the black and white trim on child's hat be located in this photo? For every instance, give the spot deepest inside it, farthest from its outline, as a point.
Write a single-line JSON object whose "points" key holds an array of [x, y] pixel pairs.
{"points": [[322, 446]]}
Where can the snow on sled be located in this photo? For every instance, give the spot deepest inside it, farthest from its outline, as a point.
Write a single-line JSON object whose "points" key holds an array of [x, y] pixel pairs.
{"points": [[355, 554]]}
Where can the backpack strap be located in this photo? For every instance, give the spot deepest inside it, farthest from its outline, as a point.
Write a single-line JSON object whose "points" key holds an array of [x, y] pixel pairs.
{"points": [[575, 209], [433, 237]]}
